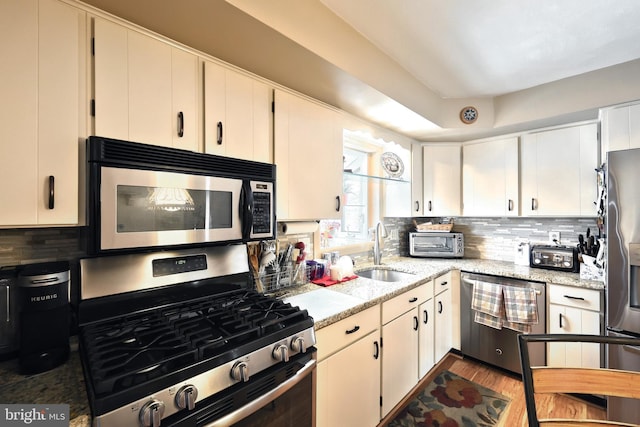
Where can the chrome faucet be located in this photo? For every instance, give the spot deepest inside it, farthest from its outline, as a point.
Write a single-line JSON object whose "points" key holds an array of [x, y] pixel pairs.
{"points": [[379, 232]]}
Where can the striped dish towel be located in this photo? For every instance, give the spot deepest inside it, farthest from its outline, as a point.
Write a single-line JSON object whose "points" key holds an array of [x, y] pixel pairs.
{"points": [[487, 302], [521, 308]]}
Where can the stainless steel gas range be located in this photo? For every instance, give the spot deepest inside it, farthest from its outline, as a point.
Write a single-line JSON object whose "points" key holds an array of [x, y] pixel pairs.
{"points": [[180, 338]]}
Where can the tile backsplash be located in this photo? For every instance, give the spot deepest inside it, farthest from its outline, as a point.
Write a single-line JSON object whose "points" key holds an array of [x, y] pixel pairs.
{"points": [[496, 238], [485, 238], [33, 245]]}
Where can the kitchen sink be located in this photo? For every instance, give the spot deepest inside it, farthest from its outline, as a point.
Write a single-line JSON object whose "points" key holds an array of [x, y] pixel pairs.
{"points": [[384, 275]]}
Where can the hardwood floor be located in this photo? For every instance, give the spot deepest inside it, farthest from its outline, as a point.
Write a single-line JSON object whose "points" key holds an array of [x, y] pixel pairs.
{"points": [[510, 386]]}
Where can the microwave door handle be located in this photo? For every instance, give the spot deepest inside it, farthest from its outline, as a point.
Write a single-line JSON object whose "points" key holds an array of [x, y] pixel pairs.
{"points": [[246, 209]]}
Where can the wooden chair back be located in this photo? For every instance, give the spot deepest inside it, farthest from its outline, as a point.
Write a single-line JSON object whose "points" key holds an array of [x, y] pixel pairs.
{"points": [[594, 381]]}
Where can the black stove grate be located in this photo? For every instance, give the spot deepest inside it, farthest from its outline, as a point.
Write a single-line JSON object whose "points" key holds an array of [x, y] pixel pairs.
{"points": [[141, 347]]}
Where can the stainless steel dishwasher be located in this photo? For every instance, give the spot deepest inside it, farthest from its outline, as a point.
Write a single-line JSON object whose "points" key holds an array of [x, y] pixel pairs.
{"points": [[498, 347]]}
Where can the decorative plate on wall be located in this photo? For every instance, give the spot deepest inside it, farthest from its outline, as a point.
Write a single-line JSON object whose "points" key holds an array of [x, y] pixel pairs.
{"points": [[469, 114], [392, 164]]}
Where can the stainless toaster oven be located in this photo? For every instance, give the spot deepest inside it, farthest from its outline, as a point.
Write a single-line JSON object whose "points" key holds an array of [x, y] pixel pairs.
{"points": [[433, 244]]}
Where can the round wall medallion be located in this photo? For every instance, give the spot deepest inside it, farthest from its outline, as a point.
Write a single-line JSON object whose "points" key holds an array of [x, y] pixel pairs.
{"points": [[469, 114], [392, 164]]}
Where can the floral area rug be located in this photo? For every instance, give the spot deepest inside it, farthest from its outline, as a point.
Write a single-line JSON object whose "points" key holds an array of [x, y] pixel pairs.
{"points": [[452, 401]]}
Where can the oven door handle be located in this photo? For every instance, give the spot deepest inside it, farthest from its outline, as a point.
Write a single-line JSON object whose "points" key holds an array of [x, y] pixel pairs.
{"points": [[258, 403]]}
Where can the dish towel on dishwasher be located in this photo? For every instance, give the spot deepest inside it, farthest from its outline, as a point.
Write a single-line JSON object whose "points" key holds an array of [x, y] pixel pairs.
{"points": [[487, 302], [499, 306], [521, 308]]}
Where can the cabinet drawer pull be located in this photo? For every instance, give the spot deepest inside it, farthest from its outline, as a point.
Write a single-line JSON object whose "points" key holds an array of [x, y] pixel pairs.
{"points": [[417, 206], [376, 353], [337, 203], [439, 306], [560, 320], [351, 331], [575, 298], [219, 136], [180, 124], [426, 317], [445, 283], [416, 323], [414, 299], [52, 193]]}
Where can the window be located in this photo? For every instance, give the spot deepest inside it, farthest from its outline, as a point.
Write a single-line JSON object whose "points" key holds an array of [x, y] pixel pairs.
{"points": [[372, 189]]}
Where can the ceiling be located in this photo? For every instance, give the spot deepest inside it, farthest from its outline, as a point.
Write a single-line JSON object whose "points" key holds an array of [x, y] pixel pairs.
{"points": [[522, 63]]}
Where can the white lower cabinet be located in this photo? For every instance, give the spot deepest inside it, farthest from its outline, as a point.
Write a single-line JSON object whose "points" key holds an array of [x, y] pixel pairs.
{"points": [[348, 371], [574, 311], [446, 290], [426, 337], [400, 344]]}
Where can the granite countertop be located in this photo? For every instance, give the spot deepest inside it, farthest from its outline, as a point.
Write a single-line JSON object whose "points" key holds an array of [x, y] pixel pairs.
{"points": [[364, 293], [61, 385], [65, 384]]}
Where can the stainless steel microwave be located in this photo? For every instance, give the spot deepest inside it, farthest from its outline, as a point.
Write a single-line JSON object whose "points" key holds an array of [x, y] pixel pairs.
{"points": [[436, 245], [143, 196]]}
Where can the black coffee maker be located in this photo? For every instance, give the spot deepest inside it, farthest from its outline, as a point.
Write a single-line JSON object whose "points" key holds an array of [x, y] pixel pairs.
{"points": [[44, 316]]}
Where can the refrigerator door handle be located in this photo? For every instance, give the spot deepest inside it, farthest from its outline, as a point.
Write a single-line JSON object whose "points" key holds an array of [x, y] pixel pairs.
{"points": [[632, 349]]}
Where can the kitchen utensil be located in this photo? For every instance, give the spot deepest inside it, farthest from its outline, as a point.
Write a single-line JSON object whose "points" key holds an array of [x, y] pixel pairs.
{"points": [[255, 266], [581, 245]]}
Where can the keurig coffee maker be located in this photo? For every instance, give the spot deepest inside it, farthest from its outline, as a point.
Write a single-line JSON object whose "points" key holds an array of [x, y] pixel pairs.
{"points": [[44, 316]]}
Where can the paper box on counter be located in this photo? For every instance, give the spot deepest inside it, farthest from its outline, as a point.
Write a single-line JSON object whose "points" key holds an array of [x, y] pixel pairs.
{"points": [[589, 270]]}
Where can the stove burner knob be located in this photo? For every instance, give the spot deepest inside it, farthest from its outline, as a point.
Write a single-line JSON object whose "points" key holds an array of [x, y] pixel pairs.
{"points": [[297, 344], [151, 413], [186, 397], [240, 372], [281, 353]]}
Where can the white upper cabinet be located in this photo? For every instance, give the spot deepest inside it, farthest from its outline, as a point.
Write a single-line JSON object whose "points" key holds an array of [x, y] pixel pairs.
{"points": [[557, 171], [441, 173], [308, 158], [490, 178], [237, 114], [417, 206], [40, 121], [620, 127], [145, 89]]}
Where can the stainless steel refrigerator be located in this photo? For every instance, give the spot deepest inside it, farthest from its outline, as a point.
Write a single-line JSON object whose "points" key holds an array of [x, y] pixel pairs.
{"points": [[623, 270]]}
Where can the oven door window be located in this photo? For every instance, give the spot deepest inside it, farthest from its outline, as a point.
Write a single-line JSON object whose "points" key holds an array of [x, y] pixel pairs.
{"points": [[141, 209], [434, 244], [151, 208]]}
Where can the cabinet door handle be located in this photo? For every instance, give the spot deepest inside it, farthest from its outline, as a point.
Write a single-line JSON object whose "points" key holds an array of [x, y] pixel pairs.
{"points": [[414, 299], [52, 192], [337, 203], [510, 205], [417, 206], [575, 298], [430, 206], [533, 204], [416, 324], [426, 316], [560, 320], [219, 136], [351, 331], [180, 124], [376, 353], [439, 306]]}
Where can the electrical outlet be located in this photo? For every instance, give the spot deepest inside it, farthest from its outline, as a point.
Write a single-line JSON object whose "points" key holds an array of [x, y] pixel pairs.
{"points": [[554, 237], [394, 234]]}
